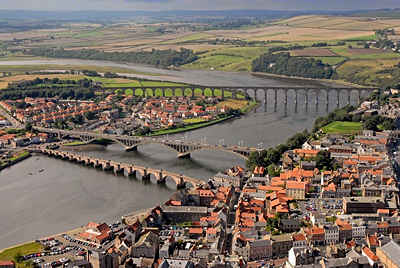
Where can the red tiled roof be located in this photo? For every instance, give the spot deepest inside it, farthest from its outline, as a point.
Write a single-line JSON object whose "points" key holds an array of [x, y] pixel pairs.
{"points": [[195, 231], [6, 263], [298, 237], [370, 254]]}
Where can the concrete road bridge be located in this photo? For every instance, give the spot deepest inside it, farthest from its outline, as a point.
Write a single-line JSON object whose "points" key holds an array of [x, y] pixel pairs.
{"points": [[127, 169], [130, 143]]}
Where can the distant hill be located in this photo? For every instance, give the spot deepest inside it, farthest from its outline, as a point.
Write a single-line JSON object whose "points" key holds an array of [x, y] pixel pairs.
{"points": [[160, 15]]}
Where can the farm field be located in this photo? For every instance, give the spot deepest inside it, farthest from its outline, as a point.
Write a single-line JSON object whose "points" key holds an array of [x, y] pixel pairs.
{"points": [[216, 49], [311, 52], [343, 127], [340, 23], [330, 60], [228, 59], [368, 72]]}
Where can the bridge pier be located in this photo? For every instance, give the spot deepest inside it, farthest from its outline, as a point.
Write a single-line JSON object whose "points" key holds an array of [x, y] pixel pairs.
{"points": [[222, 94], [348, 98], [306, 100], [327, 100], [338, 99], [181, 184], [359, 97], [106, 166], [117, 169], [295, 101], [145, 175], [129, 171], [131, 149], [161, 179], [275, 100], [316, 101], [184, 155], [265, 100]]}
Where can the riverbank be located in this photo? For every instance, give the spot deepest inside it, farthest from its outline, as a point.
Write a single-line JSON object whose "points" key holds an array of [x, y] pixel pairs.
{"points": [[190, 127], [244, 110], [308, 81], [15, 159]]}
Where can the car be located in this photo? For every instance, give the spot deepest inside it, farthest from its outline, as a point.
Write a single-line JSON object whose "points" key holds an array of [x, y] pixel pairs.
{"points": [[80, 253], [64, 260], [37, 261]]}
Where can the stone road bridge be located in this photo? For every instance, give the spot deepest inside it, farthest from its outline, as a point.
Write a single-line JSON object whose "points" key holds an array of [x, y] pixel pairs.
{"points": [[127, 169], [182, 148]]}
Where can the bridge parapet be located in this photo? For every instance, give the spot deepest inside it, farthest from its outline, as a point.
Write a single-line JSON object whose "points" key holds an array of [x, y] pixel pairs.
{"points": [[128, 169]]}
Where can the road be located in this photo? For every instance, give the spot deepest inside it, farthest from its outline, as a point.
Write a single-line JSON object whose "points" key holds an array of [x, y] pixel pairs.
{"points": [[12, 120]]}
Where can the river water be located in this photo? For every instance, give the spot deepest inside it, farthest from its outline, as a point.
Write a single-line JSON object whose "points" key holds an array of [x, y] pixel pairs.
{"points": [[34, 204]]}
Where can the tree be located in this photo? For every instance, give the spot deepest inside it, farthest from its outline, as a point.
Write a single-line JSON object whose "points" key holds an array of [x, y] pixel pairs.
{"points": [[324, 160], [371, 123], [28, 126], [90, 115], [144, 131], [273, 170], [18, 257]]}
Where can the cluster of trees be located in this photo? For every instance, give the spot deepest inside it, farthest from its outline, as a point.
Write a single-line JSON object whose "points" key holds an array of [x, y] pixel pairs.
{"points": [[271, 157], [324, 161], [377, 122], [156, 57], [320, 44], [63, 93], [281, 48], [47, 82], [48, 88], [284, 64]]}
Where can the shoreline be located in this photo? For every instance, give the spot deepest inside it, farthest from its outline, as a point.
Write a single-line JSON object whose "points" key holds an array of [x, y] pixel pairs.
{"points": [[13, 162]]}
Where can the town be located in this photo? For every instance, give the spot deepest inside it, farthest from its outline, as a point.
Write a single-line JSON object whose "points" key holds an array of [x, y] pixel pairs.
{"points": [[200, 134], [330, 200]]}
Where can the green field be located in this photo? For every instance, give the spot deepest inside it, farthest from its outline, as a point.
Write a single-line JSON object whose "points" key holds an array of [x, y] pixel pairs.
{"points": [[193, 120], [330, 60], [11, 253], [228, 59], [363, 38], [74, 143], [343, 127], [23, 154], [189, 127]]}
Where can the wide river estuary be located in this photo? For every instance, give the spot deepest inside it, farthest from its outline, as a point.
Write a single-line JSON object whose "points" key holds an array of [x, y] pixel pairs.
{"points": [[64, 195]]}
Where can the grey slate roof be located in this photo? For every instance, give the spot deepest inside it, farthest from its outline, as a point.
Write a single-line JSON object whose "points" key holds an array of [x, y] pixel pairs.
{"points": [[392, 250]]}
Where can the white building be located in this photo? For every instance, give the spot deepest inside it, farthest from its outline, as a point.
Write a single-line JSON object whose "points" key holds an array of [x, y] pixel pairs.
{"points": [[331, 234], [358, 231]]}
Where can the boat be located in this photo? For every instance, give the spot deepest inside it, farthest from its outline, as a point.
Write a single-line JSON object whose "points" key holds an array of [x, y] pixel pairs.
{"points": [[41, 170]]}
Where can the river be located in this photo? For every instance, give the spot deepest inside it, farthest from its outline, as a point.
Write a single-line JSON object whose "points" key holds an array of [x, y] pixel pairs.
{"points": [[66, 195], [198, 77]]}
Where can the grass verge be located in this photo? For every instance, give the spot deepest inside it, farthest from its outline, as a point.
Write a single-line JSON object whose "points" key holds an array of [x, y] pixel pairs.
{"points": [[25, 249]]}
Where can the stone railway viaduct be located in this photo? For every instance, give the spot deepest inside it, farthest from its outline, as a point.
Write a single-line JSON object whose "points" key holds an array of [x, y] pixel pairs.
{"points": [[245, 91], [127, 169]]}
